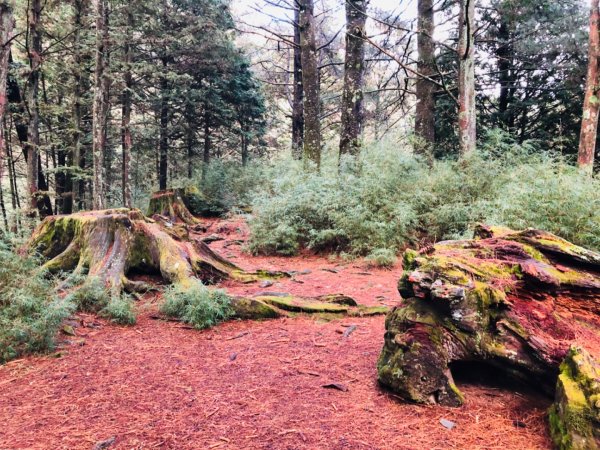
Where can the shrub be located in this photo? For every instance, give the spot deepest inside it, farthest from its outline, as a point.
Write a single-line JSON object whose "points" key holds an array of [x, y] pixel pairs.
{"points": [[197, 305], [382, 257], [119, 310], [93, 296], [395, 199], [30, 312]]}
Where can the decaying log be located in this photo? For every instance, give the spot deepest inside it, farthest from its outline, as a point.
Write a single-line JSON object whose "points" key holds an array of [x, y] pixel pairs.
{"points": [[517, 301], [112, 243]]}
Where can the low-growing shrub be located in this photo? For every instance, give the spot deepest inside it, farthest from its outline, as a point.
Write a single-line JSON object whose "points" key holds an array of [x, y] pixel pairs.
{"points": [[396, 199], [30, 311], [197, 305], [382, 257], [119, 310], [93, 296]]}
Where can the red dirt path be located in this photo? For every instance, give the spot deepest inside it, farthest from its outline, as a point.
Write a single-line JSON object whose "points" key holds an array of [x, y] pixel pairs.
{"points": [[247, 385]]}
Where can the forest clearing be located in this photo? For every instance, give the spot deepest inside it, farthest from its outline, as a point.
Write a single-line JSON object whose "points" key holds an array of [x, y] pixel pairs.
{"points": [[299, 224]]}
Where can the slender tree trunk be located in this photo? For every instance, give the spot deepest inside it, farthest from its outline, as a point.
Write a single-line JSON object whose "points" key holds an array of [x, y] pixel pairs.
{"points": [[32, 92], [190, 138], [21, 127], [589, 123], [310, 83], [7, 24], [207, 145], [425, 108], [245, 154], [14, 195], [164, 123], [100, 108], [467, 121], [80, 87], [126, 141], [298, 94], [354, 67], [504, 54]]}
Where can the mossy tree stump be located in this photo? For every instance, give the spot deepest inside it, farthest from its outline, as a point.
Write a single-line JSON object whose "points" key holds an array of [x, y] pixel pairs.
{"points": [[172, 204], [516, 301], [109, 244]]}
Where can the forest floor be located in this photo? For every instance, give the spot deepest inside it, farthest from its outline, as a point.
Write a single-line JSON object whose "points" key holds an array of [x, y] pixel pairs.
{"points": [[248, 385]]}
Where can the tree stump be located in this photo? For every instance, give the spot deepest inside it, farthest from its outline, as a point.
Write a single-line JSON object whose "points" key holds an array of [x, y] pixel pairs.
{"points": [[516, 301], [109, 244], [172, 204]]}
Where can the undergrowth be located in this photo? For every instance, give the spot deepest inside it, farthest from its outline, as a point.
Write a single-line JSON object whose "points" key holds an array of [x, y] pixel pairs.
{"points": [[93, 296], [30, 312], [395, 199], [197, 305]]}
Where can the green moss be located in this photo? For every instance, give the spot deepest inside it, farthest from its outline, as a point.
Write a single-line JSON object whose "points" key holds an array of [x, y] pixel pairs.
{"points": [[408, 259], [252, 309], [296, 304], [365, 311]]}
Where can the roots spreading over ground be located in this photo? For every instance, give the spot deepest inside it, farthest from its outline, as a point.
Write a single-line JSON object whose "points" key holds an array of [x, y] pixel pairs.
{"points": [[111, 244]]}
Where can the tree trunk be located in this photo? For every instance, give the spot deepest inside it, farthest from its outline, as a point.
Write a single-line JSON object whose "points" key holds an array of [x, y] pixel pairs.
{"points": [[589, 123], [425, 108], [352, 96], [310, 84], [126, 141], [80, 87], [7, 24], [14, 96], [298, 94], [245, 144], [100, 109], [190, 139], [467, 121], [164, 123], [207, 145], [34, 48], [505, 57]]}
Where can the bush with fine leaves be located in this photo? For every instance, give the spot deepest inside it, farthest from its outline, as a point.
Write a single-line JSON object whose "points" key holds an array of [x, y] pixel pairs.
{"points": [[197, 305], [30, 311], [395, 199]]}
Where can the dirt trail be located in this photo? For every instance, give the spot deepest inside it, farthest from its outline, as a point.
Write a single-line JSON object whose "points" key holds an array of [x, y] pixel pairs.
{"points": [[248, 385]]}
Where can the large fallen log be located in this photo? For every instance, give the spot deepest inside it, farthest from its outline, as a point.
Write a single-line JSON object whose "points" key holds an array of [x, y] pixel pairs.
{"points": [[110, 244], [517, 301]]}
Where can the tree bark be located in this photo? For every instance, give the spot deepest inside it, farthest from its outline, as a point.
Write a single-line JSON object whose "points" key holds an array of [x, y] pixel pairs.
{"points": [[34, 53], [589, 123], [207, 145], [7, 24], [505, 55], [425, 108], [354, 67], [126, 141], [100, 109], [310, 84], [81, 85], [467, 121], [164, 123], [298, 95]]}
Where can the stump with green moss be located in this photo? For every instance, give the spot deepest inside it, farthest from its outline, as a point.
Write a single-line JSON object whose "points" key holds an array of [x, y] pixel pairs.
{"points": [[173, 204], [110, 244], [516, 301]]}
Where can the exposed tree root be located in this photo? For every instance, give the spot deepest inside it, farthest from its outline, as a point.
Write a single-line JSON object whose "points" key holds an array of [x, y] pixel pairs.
{"points": [[110, 244], [271, 305]]}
